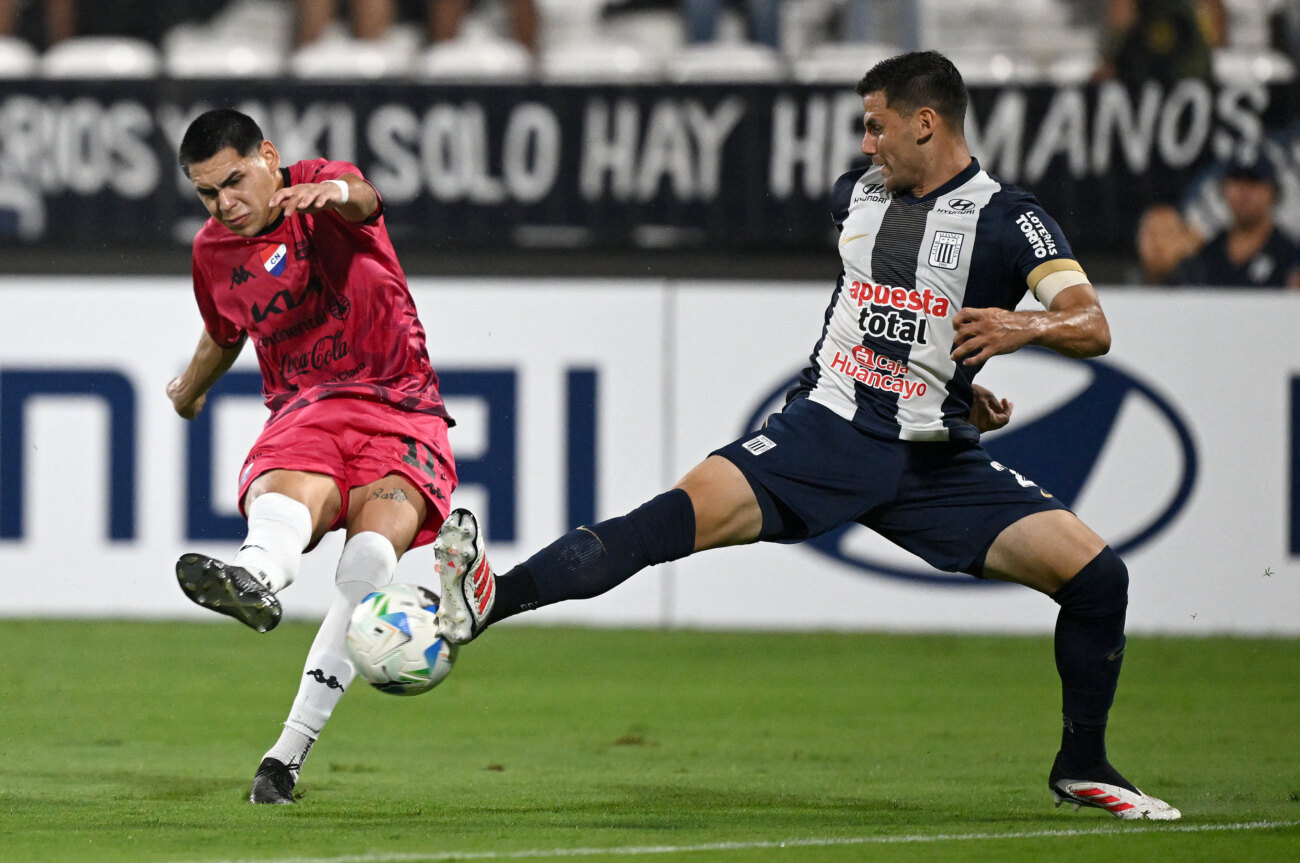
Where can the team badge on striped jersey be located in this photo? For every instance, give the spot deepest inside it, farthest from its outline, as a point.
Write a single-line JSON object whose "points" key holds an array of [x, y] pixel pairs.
{"points": [[946, 250]]}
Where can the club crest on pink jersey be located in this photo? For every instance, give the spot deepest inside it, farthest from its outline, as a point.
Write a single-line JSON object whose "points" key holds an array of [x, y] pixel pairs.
{"points": [[274, 258]]}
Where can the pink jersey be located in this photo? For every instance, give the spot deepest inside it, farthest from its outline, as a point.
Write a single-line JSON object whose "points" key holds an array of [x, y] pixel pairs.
{"points": [[324, 302]]}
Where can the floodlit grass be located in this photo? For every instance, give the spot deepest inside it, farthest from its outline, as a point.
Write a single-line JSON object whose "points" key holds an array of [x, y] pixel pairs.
{"points": [[137, 742]]}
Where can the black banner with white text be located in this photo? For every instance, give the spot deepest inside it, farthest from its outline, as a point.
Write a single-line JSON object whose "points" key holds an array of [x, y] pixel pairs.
{"points": [[510, 167]]}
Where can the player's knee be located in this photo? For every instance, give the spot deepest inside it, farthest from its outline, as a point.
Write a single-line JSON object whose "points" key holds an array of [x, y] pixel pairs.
{"points": [[367, 557], [1099, 589]]}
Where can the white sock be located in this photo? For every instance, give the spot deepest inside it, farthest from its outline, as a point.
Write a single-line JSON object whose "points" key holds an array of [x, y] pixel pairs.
{"points": [[367, 562], [279, 528]]}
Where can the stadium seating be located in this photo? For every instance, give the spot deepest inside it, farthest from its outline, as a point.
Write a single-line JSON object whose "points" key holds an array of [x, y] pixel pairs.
{"points": [[17, 58], [247, 39], [338, 56], [475, 56], [101, 57], [727, 62], [839, 62], [597, 62], [631, 41]]}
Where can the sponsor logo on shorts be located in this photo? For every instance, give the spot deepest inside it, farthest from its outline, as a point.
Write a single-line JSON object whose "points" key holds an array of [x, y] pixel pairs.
{"points": [[759, 444], [1024, 481]]}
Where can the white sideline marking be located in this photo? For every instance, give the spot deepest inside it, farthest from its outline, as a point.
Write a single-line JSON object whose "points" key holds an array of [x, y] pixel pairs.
{"points": [[829, 842]]}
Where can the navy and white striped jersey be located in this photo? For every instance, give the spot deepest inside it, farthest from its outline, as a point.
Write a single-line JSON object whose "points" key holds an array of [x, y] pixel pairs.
{"points": [[910, 264]]}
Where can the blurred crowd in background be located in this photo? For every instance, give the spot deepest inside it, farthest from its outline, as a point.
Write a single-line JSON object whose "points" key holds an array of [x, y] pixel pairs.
{"points": [[993, 42], [1056, 41]]}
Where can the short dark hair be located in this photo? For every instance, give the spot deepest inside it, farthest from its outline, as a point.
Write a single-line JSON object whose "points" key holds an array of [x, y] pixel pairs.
{"points": [[1256, 169], [215, 130], [920, 79]]}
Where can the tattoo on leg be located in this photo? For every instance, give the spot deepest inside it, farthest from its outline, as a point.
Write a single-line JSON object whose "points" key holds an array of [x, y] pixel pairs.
{"points": [[392, 494]]}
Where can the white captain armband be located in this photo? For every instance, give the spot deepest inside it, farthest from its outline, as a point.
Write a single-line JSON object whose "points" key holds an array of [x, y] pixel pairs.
{"points": [[1053, 283], [343, 187]]}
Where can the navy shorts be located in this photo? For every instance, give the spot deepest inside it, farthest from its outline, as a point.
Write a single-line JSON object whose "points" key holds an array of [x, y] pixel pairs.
{"points": [[945, 502]]}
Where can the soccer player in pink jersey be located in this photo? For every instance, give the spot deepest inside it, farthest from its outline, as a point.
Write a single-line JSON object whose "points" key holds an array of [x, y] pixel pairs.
{"points": [[297, 260]]}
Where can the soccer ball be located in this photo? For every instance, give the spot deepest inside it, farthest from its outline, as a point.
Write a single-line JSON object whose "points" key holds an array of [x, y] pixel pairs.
{"points": [[393, 640]]}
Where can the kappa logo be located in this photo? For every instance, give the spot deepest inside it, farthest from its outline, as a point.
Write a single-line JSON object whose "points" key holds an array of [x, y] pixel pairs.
{"points": [[239, 275], [1093, 418], [328, 681]]}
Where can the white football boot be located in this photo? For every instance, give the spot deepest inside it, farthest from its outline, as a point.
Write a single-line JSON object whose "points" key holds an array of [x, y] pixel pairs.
{"points": [[468, 585], [1115, 799]]}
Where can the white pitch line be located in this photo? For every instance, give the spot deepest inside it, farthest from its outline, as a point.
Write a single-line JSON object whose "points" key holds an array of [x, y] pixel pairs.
{"points": [[829, 842]]}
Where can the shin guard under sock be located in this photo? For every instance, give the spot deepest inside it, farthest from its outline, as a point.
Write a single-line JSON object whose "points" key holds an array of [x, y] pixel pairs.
{"points": [[279, 528], [1089, 655]]}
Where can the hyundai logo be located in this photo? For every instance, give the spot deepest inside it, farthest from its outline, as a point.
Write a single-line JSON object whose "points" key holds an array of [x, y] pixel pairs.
{"points": [[1061, 449], [961, 205]]}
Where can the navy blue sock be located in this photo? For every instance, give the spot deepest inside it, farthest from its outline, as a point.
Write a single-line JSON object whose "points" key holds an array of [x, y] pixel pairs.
{"points": [[1089, 654], [588, 561]]}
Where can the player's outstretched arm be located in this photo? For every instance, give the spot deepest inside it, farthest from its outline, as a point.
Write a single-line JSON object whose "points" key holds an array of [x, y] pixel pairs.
{"points": [[1074, 326], [358, 204], [189, 390]]}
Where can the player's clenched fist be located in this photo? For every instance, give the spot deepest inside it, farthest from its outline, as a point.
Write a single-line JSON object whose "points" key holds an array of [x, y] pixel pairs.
{"points": [[184, 405], [981, 334]]}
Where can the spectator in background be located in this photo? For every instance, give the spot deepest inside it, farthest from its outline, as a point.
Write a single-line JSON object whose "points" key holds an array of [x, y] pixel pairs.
{"points": [[1164, 240], [1161, 40], [1284, 25], [373, 19], [368, 19], [763, 17], [44, 23], [444, 17], [53, 21], [895, 22], [1251, 252]]}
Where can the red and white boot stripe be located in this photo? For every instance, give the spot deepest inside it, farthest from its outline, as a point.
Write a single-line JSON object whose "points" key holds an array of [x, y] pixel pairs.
{"points": [[1118, 801], [482, 589]]}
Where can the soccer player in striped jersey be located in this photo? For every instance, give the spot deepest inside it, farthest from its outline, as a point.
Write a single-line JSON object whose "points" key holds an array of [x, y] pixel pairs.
{"points": [[883, 427], [297, 260]]}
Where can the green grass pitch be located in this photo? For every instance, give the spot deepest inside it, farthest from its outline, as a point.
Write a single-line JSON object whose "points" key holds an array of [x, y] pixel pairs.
{"points": [[128, 741]]}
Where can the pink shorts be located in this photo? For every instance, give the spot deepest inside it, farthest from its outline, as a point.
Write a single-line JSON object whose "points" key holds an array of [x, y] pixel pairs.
{"points": [[357, 442]]}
